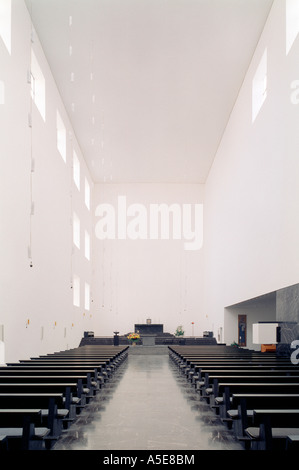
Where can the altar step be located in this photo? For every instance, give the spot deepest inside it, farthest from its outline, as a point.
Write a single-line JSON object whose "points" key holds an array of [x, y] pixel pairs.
{"points": [[148, 350]]}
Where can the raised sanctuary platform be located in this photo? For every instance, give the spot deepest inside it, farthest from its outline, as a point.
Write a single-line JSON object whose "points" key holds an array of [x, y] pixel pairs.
{"points": [[163, 340]]}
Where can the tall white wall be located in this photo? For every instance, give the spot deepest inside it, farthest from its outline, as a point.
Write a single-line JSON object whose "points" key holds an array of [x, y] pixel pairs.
{"points": [[145, 278], [36, 303], [252, 192]]}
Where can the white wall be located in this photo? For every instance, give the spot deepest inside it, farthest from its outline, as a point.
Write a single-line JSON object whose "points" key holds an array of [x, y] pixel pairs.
{"points": [[140, 279], [36, 303], [252, 192]]}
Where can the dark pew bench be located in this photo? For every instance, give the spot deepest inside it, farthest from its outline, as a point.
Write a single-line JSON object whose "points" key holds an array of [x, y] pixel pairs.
{"points": [[240, 358], [44, 374], [197, 372], [103, 362], [210, 386], [72, 402], [112, 357], [62, 362], [101, 366], [193, 366], [201, 371], [18, 369], [261, 359], [87, 352], [208, 376], [107, 362], [54, 415], [22, 429], [292, 442], [227, 389], [204, 379], [252, 360], [84, 384], [52, 369], [88, 377], [242, 406], [271, 428], [3, 442], [51, 406]]}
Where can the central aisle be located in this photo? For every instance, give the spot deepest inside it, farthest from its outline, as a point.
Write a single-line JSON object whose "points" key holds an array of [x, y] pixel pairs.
{"points": [[147, 406]]}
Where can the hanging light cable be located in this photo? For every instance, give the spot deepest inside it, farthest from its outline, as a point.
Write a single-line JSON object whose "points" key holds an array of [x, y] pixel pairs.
{"points": [[32, 165]]}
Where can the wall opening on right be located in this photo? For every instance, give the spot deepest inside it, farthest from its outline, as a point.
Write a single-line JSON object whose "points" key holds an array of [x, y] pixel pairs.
{"points": [[280, 306]]}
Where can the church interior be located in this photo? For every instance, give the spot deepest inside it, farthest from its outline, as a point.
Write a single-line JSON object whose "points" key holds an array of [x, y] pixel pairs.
{"points": [[149, 227]]}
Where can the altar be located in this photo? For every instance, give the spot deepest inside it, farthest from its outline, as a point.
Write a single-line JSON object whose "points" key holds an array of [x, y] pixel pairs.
{"points": [[148, 332], [148, 340]]}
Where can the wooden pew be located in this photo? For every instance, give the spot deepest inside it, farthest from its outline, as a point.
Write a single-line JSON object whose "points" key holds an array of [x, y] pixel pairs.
{"points": [[227, 389], [84, 385], [110, 356], [209, 375], [101, 366], [23, 429], [3, 442], [243, 404], [247, 368], [211, 385], [50, 405], [74, 401], [195, 366], [104, 366], [91, 372], [70, 375], [226, 376], [88, 376], [271, 428]]}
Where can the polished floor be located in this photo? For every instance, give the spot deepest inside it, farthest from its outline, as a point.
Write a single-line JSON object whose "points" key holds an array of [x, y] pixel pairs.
{"points": [[147, 405]]}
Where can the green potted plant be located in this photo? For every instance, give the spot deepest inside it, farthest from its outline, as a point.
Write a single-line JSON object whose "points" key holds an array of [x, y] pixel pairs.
{"points": [[179, 331]]}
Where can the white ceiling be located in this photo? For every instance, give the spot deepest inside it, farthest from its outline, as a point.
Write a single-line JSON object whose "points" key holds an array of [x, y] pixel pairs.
{"points": [[154, 81]]}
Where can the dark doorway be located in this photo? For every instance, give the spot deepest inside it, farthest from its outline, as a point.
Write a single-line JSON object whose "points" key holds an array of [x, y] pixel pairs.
{"points": [[242, 323]]}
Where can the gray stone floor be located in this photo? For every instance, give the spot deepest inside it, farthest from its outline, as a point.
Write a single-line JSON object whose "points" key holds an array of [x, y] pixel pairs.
{"points": [[147, 405]]}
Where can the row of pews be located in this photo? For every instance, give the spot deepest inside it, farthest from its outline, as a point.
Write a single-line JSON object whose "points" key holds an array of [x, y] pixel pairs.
{"points": [[44, 395], [255, 394]]}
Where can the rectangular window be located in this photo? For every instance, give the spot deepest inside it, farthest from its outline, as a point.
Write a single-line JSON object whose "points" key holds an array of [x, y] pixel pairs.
{"points": [[5, 23], [61, 136], [87, 296], [259, 86], [87, 245], [76, 230], [292, 23], [87, 194], [76, 291], [76, 170], [38, 86]]}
